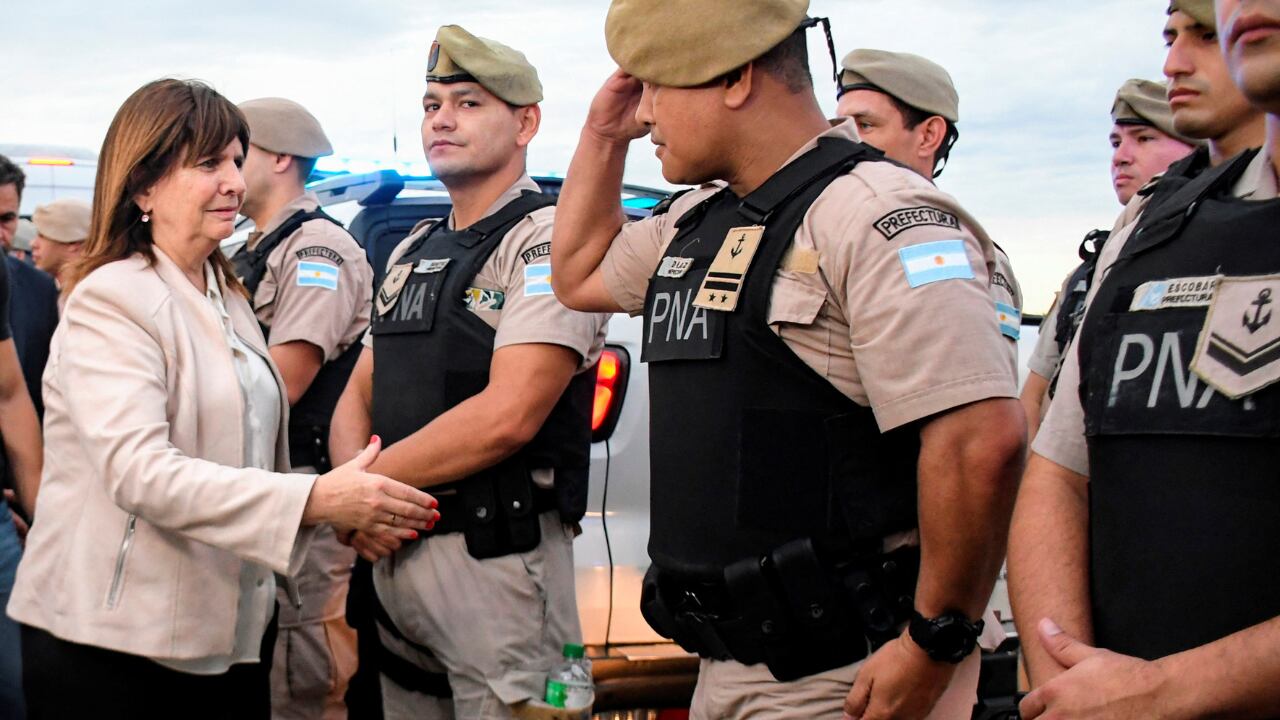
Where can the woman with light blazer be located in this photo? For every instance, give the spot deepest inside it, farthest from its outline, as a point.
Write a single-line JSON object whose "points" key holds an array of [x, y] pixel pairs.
{"points": [[147, 586]]}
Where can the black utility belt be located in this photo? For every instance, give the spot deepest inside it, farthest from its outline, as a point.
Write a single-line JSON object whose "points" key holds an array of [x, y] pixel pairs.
{"points": [[791, 610], [309, 447], [499, 516]]}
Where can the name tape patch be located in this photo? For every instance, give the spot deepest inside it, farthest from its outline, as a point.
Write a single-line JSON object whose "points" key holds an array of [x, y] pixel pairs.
{"points": [[899, 221], [536, 252], [1175, 293], [317, 274], [537, 280], [319, 251], [674, 267], [426, 266], [933, 262]]}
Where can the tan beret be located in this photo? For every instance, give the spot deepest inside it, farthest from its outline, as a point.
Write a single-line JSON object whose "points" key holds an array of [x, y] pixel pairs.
{"points": [[65, 220], [1144, 102], [916, 81], [683, 43], [459, 56], [23, 236], [283, 126], [1200, 10]]}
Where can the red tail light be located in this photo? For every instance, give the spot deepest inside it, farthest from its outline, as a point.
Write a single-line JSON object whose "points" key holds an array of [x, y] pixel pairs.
{"points": [[611, 381]]}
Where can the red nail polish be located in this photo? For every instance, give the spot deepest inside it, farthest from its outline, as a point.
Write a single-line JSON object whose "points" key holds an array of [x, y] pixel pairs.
{"points": [[434, 504], [374, 439], [415, 535]]}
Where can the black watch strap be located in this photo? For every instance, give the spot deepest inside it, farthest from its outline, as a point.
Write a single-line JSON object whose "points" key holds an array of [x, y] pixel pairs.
{"points": [[950, 637]]}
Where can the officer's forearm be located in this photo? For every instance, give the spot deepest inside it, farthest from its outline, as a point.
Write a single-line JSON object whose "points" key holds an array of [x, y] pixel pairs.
{"points": [[588, 217], [20, 428], [970, 461], [352, 422], [525, 382], [1048, 560], [1032, 397], [299, 362], [1236, 677]]}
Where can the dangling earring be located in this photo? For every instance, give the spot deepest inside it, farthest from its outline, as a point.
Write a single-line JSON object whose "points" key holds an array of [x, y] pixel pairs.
{"points": [[146, 217]]}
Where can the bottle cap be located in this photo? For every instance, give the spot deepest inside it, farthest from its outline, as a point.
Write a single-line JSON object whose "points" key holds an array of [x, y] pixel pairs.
{"points": [[574, 652]]}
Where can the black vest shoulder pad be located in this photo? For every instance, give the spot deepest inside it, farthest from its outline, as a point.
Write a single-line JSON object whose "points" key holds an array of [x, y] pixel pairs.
{"points": [[251, 265]]}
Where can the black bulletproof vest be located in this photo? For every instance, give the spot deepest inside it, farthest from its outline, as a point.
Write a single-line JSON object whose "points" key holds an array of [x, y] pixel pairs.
{"points": [[1071, 305], [1175, 177], [309, 418], [751, 448], [431, 353], [1184, 483]]}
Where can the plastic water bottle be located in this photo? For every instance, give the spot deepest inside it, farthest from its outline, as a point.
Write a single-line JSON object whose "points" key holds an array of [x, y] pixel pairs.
{"points": [[570, 685]]}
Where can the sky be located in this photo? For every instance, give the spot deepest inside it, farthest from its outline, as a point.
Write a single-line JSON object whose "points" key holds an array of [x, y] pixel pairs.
{"points": [[1036, 82]]}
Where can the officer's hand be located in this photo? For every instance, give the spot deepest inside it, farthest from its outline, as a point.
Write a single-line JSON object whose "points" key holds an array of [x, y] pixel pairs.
{"points": [[373, 547], [612, 116], [1098, 684], [899, 681], [349, 498], [19, 525]]}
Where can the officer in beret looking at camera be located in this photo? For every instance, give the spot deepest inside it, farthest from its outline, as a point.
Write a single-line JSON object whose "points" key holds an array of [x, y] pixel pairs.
{"points": [[1152, 489], [1144, 142], [311, 289], [908, 107], [479, 382], [835, 434]]}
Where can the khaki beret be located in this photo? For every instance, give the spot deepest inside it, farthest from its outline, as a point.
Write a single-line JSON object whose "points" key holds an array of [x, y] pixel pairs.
{"points": [[1200, 10], [683, 43], [23, 236], [459, 56], [916, 81], [1144, 102], [283, 126], [64, 221]]}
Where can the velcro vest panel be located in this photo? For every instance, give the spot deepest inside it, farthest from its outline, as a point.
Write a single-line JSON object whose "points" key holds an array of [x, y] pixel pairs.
{"points": [[1184, 482], [432, 353], [751, 448]]}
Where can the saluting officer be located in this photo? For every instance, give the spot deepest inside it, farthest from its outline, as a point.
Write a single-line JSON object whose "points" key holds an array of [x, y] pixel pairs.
{"points": [[311, 288], [1144, 144], [823, 350], [909, 108], [478, 382], [1153, 490]]}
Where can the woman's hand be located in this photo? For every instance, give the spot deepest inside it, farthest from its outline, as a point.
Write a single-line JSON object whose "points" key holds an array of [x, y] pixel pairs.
{"points": [[348, 498]]}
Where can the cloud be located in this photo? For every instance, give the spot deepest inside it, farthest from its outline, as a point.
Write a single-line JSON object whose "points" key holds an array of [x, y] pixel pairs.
{"points": [[1036, 83]]}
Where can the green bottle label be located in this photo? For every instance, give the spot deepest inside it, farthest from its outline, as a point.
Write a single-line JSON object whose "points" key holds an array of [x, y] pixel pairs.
{"points": [[557, 693]]}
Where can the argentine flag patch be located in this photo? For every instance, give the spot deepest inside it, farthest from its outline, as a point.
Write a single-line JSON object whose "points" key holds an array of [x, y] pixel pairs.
{"points": [[316, 274], [1010, 320], [931, 262], [537, 280]]}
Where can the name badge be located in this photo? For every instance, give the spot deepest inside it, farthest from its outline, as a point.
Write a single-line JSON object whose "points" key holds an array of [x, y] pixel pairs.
{"points": [[1175, 293], [724, 280], [431, 266], [674, 267]]}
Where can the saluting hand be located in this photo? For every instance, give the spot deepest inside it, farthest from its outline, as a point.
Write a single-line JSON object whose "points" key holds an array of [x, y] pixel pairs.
{"points": [[350, 498], [1098, 684], [898, 681], [612, 116]]}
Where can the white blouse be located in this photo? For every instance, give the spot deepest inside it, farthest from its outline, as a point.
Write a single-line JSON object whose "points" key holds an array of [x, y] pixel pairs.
{"points": [[261, 420]]}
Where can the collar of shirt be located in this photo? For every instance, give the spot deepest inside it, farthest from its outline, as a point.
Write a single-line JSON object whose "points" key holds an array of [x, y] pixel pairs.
{"points": [[307, 201], [524, 183], [846, 129]]}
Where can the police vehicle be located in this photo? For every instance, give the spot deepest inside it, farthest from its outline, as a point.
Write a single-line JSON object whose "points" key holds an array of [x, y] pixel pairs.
{"points": [[638, 673], [53, 172]]}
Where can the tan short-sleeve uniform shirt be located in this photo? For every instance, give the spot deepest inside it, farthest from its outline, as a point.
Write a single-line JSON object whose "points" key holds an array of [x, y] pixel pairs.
{"points": [[523, 312], [318, 287], [843, 299], [1061, 438]]}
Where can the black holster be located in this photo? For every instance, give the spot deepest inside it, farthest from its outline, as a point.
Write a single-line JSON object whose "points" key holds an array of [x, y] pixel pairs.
{"points": [[789, 610], [497, 511]]}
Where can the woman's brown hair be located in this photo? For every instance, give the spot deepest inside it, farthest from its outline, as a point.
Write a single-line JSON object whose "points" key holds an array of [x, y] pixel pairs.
{"points": [[162, 124]]}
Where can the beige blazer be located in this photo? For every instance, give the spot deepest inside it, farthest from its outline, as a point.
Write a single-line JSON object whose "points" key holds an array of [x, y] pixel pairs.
{"points": [[145, 516]]}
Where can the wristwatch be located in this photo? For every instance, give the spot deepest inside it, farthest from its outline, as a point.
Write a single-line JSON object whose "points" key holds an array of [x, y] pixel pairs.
{"points": [[949, 638]]}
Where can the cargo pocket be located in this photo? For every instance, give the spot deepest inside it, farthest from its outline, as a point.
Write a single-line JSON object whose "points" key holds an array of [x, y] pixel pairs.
{"points": [[795, 300]]}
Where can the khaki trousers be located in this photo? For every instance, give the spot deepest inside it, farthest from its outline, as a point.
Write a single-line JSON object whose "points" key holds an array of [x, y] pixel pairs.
{"points": [[732, 691], [495, 626], [315, 652]]}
